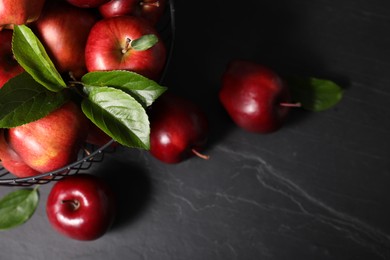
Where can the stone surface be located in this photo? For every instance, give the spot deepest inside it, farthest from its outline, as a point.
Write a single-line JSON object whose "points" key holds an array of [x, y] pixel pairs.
{"points": [[316, 189]]}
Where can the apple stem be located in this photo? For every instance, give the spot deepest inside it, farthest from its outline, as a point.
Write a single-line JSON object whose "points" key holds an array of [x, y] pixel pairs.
{"points": [[73, 203], [203, 156], [127, 46], [155, 3], [71, 75], [285, 104]]}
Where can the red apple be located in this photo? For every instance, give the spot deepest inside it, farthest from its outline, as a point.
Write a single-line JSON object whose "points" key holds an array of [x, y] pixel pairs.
{"points": [[109, 47], [81, 207], [151, 10], [178, 129], [87, 3], [19, 12], [96, 136], [63, 30], [9, 67], [11, 161], [51, 142], [254, 96]]}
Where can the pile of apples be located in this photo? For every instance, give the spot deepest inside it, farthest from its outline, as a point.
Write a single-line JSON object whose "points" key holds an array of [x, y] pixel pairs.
{"points": [[84, 36], [80, 36]]}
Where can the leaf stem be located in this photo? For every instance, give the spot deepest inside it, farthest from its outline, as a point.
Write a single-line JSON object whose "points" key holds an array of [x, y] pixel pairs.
{"points": [[36, 187]]}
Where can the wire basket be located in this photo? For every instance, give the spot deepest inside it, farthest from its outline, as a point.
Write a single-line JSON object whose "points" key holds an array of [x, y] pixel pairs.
{"points": [[91, 154]]}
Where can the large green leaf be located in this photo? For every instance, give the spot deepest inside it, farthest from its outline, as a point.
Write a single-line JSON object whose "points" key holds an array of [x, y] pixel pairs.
{"points": [[315, 94], [32, 56], [23, 100], [143, 89], [118, 114], [17, 207]]}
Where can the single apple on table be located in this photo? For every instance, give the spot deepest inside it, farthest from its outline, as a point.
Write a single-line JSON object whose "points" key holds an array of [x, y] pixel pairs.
{"points": [[111, 46], [9, 67], [81, 207], [51, 142], [255, 97], [179, 129], [63, 30], [150, 10], [19, 12]]}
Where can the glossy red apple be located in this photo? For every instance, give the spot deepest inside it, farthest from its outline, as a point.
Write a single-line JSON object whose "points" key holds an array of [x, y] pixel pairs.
{"points": [[9, 67], [151, 10], [63, 30], [11, 161], [179, 129], [81, 207], [255, 97], [51, 142], [19, 12], [109, 47], [87, 3]]}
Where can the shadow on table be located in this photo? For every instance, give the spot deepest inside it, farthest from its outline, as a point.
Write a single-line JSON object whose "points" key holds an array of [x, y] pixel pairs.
{"points": [[133, 190]]}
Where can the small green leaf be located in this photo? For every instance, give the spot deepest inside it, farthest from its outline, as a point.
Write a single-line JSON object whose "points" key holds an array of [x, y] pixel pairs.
{"points": [[315, 94], [143, 89], [32, 56], [144, 42], [17, 207], [23, 100], [118, 114]]}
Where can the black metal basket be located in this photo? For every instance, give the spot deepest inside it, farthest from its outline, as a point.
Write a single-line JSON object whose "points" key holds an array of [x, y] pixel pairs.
{"points": [[92, 154]]}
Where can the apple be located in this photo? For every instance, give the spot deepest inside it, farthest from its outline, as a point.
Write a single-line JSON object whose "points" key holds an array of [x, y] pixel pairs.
{"points": [[179, 129], [9, 67], [254, 96], [87, 3], [81, 207], [97, 136], [63, 30], [19, 12], [51, 142], [150, 10], [11, 161], [109, 47]]}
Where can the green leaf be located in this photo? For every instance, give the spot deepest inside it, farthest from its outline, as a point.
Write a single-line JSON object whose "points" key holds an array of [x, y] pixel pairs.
{"points": [[143, 89], [118, 114], [144, 42], [315, 94], [17, 207], [32, 56], [23, 100]]}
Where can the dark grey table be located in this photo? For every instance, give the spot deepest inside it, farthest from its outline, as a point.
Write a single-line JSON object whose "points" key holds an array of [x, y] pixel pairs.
{"points": [[316, 189]]}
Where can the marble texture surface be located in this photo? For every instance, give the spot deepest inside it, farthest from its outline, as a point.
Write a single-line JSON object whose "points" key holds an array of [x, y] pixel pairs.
{"points": [[316, 189]]}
